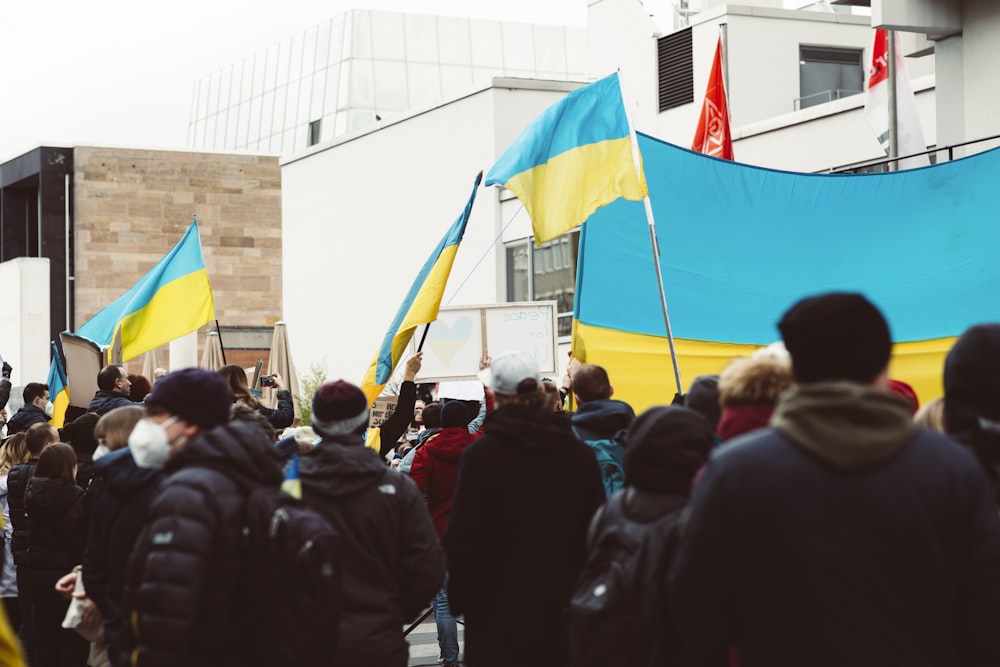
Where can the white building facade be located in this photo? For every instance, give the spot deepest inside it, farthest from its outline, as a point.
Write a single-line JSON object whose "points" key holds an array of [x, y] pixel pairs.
{"points": [[362, 211]]}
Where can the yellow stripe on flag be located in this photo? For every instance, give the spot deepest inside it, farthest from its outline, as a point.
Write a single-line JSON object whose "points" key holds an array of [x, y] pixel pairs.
{"points": [[640, 368], [566, 190]]}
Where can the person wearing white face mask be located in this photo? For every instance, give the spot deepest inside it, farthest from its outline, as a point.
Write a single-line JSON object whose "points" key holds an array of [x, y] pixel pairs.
{"points": [[36, 398], [184, 586], [120, 495]]}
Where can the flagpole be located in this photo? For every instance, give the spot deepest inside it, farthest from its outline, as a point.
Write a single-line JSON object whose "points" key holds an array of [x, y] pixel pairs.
{"points": [[652, 237], [890, 37], [724, 36]]}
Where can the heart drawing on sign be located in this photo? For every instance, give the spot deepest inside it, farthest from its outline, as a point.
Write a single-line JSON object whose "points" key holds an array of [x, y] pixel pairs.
{"points": [[446, 340]]}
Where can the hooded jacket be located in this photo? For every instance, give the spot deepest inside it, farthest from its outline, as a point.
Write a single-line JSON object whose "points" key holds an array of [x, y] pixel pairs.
{"points": [[26, 417], [603, 418], [393, 564], [435, 471], [516, 537], [185, 593], [105, 401], [840, 535], [120, 495]]}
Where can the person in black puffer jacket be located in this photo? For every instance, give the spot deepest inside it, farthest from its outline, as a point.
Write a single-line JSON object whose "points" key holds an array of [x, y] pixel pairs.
{"points": [[58, 534], [184, 590], [120, 496], [36, 439]]}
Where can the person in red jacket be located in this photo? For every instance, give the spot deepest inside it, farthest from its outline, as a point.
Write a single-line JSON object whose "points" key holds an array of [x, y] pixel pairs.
{"points": [[435, 472]]}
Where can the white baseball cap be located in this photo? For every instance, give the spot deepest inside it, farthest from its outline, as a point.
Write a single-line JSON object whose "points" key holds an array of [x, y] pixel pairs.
{"points": [[509, 370]]}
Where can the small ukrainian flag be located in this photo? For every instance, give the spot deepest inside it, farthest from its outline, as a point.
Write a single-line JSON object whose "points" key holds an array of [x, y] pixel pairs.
{"points": [[292, 484]]}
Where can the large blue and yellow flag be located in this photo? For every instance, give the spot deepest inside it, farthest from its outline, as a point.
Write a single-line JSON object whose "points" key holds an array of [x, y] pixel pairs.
{"points": [[420, 305], [172, 300], [741, 244], [573, 159], [58, 388]]}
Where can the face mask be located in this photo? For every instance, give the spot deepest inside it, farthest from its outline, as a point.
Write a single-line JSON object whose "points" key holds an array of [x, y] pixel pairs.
{"points": [[99, 452], [149, 443], [49, 408]]}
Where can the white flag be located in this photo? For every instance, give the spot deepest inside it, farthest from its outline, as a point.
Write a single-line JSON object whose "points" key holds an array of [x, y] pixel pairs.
{"points": [[910, 137]]}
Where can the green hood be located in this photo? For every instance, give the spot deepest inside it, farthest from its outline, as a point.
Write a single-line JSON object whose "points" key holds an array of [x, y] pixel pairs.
{"points": [[848, 425]]}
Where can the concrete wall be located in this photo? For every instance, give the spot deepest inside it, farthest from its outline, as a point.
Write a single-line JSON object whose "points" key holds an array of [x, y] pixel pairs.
{"points": [[24, 337], [132, 206], [362, 214]]}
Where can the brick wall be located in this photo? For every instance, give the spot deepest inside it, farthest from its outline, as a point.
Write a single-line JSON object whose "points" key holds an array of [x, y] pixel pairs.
{"points": [[132, 206]]}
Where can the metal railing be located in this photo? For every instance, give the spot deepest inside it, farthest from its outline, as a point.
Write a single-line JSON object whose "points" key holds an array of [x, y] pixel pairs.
{"points": [[936, 155], [821, 97]]}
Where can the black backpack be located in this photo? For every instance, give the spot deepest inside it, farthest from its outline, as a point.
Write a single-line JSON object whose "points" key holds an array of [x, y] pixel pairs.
{"points": [[617, 614], [293, 579]]}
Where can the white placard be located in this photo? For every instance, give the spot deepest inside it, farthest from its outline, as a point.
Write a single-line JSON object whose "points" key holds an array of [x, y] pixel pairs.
{"points": [[457, 339]]}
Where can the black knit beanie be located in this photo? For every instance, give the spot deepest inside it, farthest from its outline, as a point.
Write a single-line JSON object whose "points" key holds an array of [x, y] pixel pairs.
{"points": [[836, 336], [665, 447], [454, 414], [339, 408], [703, 398]]}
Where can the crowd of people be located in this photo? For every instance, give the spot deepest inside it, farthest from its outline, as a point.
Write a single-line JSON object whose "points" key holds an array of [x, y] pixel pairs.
{"points": [[801, 508]]}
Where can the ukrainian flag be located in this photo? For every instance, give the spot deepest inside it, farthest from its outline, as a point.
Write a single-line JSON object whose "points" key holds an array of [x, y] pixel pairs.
{"points": [[292, 485], [58, 389], [573, 159], [741, 244], [172, 300], [420, 305]]}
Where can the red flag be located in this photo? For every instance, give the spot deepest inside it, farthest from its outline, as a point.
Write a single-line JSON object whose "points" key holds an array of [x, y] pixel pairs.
{"points": [[713, 136]]}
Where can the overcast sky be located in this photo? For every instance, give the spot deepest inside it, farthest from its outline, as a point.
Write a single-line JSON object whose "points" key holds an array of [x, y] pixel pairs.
{"points": [[121, 73]]}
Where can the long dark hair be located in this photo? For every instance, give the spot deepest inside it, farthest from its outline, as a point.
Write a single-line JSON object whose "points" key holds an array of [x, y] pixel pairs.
{"points": [[237, 379], [57, 461]]}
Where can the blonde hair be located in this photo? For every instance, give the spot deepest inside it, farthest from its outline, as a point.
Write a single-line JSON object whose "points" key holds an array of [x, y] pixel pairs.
{"points": [[755, 379], [13, 451], [112, 430], [237, 379], [931, 415]]}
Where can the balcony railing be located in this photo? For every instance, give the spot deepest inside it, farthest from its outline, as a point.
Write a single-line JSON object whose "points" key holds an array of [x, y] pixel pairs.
{"points": [[821, 97], [936, 155]]}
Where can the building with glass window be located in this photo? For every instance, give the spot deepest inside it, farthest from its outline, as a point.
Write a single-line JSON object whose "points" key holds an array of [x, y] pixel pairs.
{"points": [[365, 67], [362, 211]]}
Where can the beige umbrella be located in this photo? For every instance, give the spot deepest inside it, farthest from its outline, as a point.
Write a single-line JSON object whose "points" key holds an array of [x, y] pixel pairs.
{"points": [[211, 358], [281, 363], [149, 366]]}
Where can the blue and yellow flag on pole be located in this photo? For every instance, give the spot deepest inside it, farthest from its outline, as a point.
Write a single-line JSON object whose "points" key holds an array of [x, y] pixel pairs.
{"points": [[745, 243], [58, 389], [420, 305], [172, 300], [576, 157]]}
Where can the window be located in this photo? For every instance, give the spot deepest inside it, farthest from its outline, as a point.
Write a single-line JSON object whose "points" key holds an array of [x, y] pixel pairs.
{"points": [[546, 273], [827, 73], [315, 132], [675, 68]]}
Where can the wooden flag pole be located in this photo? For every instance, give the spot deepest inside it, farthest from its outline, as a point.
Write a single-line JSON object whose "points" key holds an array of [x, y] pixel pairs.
{"points": [[652, 240]]}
